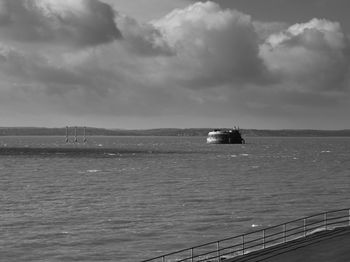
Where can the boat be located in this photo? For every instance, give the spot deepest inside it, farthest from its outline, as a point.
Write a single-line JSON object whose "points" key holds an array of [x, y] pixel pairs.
{"points": [[229, 136]]}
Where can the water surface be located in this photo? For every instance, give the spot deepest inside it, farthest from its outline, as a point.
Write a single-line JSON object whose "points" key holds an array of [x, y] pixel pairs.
{"points": [[131, 198]]}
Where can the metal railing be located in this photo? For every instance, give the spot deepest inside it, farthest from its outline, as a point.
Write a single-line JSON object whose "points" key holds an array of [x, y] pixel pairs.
{"points": [[258, 240]]}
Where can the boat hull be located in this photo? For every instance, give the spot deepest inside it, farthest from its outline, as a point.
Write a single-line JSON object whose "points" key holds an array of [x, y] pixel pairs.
{"points": [[225, 137]]}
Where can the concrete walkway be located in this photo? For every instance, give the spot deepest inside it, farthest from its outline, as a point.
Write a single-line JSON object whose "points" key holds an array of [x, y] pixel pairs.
{"points": [[325, 246]]}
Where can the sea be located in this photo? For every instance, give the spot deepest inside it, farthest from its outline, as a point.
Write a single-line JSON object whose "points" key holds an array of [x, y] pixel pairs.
{"points": [[128, 199]]}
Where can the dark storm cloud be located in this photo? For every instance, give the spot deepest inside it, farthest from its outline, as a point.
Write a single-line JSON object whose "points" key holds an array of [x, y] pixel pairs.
{"points": [[37, 73], [201, 60], [143, 39], [33, 67], [79, 22]]}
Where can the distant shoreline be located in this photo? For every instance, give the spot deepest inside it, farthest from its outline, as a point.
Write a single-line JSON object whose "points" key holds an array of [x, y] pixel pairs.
{"points": [[91, 131]]}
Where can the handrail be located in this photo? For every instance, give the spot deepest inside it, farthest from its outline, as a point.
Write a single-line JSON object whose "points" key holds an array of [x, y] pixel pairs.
{"points": [[324, 221]]}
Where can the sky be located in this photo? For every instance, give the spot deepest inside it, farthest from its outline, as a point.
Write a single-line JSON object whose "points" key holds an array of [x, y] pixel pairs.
{"points": [[138, 64]]}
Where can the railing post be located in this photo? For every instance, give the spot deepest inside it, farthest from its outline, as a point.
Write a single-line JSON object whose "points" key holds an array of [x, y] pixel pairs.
{"points": [[304, 227], [191, 254], [163, 258], [264, 239], [218, 250], [243, 244]]}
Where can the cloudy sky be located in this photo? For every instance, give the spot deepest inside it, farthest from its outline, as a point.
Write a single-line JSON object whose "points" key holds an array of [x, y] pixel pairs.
{"points": [[269, 64]]}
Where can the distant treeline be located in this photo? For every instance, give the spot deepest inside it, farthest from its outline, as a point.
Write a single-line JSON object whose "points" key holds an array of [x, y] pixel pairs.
{"points": [[91, 131]]}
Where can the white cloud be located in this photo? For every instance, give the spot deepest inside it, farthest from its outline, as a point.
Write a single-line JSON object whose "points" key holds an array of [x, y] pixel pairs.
{"points": [[213, 46], [312, 55]]}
